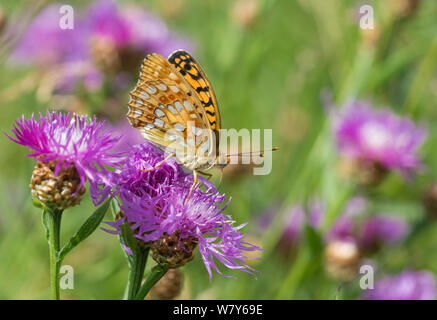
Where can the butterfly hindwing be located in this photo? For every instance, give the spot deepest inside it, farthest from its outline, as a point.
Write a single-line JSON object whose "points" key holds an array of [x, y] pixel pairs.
{"points": [[163, 104]]}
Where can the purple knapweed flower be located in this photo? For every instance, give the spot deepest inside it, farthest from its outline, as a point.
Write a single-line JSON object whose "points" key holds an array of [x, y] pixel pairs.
{"points": [[154, 182], [408, 285], [131, 177], [378, 135], [69, 139], [154, 204]]}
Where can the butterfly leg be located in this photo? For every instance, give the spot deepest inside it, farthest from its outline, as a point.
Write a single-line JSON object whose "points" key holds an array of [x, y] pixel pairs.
{"points": [[159, 163], [209, 175], [192, 186], [221, 178]]}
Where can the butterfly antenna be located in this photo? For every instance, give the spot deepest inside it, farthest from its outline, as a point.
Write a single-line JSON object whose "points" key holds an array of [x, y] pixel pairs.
{"points": [[249, 153]]}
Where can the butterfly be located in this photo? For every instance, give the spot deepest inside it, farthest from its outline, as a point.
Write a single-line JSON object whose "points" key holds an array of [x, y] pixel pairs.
{"points": [[174, 107]]}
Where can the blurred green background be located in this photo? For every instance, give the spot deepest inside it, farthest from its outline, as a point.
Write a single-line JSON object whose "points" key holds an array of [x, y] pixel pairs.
{"points": [[270, 62]]}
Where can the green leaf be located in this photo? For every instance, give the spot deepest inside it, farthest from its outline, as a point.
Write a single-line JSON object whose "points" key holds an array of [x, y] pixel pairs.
{"points": [[313, 240], [37, 204], [127, 237], [89, 226]]}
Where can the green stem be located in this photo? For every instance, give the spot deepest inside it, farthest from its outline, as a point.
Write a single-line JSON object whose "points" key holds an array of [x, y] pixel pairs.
{"points": [[136, 272], [54, 226], [296, 274], [157, 273], [421, 80]]}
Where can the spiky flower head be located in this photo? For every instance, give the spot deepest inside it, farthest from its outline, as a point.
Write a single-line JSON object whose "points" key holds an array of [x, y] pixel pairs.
{"points": [[155, 205], [66, 146]]}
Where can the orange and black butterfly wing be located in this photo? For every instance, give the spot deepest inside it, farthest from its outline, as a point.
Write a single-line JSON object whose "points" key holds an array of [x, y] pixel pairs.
{"points": [[197, 79], [161, 106]]}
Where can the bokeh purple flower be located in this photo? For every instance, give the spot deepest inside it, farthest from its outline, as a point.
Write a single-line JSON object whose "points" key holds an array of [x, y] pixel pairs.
{"points": [[69, 139], [408, 285], [294, 221], [354, 224], [382, 229], [369, 231], [105, 35], [379, 136], [296, 218], [45, 43], [131, 26]]}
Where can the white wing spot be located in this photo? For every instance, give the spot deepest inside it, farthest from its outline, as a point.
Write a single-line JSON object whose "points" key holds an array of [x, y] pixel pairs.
{"points": [[162, 87], [197, 131], [159, 112], [144, 95], [172, 137], [178, 105], [137, 113], [187, 105], [158, 122], [172, 76], [152, 89], [179, 127], [172, 109], [174, 89], [148, 126]]}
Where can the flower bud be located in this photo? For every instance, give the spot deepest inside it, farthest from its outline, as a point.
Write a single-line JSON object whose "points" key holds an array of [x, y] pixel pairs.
{"points": [[173, 251], [112, 59], [105, 55], [342, 259], [61, 190], [169, 286], [367, 173]]}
